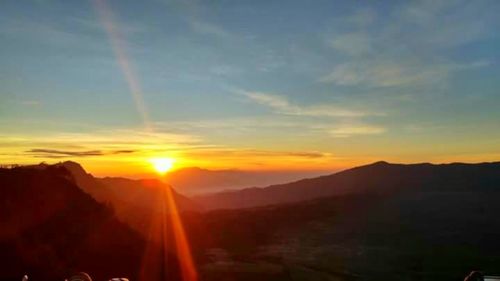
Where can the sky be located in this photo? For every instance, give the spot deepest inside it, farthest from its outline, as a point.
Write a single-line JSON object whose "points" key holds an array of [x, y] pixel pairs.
{"points": [[251, 85]]}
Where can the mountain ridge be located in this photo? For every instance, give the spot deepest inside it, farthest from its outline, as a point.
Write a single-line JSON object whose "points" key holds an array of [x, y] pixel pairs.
{"points": [[195, 180], [51, 228], [134, 202], [351, 181]]}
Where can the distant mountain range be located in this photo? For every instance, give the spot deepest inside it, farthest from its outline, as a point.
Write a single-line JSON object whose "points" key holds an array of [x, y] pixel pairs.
{"points": [[376, 222], [378, 178], [196, 181]]}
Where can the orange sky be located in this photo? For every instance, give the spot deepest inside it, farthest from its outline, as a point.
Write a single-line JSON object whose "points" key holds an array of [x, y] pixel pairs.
{"points": [[128, 153]]}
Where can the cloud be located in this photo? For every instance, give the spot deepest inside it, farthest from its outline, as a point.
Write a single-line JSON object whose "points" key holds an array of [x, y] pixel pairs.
{"points": [[53, 153], [442, 24], [387, 73], [260, 159], [283, 106], [410, 45], [136, 143], [445, 24], [131, 147], [195, 14], [384, 74], [356, 130], [424, 12], [208, 28], [229, 153], [354, 44], [53, 35], [361, 17]]}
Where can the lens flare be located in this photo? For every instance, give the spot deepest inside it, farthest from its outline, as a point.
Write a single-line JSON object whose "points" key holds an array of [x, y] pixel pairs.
{"points": [[153, 264], [165, 217], [188, 269]]}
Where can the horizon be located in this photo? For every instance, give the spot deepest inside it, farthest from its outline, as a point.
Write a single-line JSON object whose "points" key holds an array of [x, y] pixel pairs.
{"points": [[214, 182], [113, 84], [294, 174]]}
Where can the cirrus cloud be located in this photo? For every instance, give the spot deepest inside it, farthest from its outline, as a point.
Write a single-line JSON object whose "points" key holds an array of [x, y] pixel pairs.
{"points": [[281, 105], [384, 73], [345, 131]]}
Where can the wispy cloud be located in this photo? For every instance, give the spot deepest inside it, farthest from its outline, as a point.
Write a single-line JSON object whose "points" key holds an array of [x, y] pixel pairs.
{"points": [[228, 152], [362, 17], [345, 131], [355, 43], [97, 143], [194, 13], [50, 34], [444, 24], [281, 105], [133, 147], [259, 159], [53, 153], [351, 124], [388, 73], [407, 47]]}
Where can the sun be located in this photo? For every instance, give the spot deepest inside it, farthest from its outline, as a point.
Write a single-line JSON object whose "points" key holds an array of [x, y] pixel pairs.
{"points": [[162, 165]]}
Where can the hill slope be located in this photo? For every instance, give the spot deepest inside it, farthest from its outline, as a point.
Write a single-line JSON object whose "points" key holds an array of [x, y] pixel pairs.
{"points": [[49, 228], [134, 201], [380, 177]]}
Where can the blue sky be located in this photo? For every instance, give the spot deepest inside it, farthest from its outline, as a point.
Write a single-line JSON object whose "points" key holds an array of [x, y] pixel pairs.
{"points": [[347, 81]]}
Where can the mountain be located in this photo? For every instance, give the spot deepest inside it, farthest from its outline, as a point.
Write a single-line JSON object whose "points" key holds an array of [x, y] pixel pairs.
{"points": [[380, 177], [196, 181], [134, 201], [50, 228], [376, 222]]}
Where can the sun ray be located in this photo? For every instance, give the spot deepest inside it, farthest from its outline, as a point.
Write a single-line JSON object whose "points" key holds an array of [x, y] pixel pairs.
{"points": [[117, 44], [188, 269], [162, 165]]}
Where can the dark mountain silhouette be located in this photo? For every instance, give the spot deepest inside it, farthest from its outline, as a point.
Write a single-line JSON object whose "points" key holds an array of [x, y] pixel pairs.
{"points": [[134, 201], [378, 178], [195, 181], [379, 222], [376, 222], [50, 228]]}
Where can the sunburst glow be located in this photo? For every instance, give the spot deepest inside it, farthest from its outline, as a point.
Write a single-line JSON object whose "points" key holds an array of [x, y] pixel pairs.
{"points": [[162, 165]]}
